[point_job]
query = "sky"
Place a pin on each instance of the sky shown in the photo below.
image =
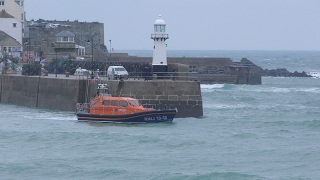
(194, 24)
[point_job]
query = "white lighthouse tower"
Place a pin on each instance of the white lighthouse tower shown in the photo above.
(159, 61)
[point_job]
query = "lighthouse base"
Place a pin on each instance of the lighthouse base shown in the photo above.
(160, 70)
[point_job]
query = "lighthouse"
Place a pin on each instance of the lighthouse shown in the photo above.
(159, 60)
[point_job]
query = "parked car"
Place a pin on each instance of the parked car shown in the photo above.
(117, 72)
(50, 25)
(82, 72)
(42, 24)
(65, 25)
(32, 24)
(79, 58)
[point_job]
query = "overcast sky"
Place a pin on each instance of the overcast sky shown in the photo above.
(195, 24)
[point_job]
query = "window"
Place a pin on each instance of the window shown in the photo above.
(106, 103)
(22, 16)
(15, 49)
(123, 103)
(9, 49)
(20, 3)
(120, 69)
(1, 3)
(163, 28)
(114, 103)
(14, 25)
(134, 103)
(65, 39)
(159, 28)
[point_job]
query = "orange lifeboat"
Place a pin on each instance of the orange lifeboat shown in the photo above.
(105, 108)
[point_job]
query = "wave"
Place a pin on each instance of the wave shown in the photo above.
(314, 124)
(285, 90)
(212, 86)
(214, 175)
(309, 124)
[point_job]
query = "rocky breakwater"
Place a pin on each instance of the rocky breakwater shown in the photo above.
(243, 72)
(282, 72)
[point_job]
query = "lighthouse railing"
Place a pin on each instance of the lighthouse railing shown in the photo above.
(160, 36)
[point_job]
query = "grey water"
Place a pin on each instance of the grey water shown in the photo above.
(267, 131)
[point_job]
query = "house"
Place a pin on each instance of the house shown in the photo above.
(11, 26)
(9, 47)
(64, 44)
(16, 9)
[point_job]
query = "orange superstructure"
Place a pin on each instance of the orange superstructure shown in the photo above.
(107, 105)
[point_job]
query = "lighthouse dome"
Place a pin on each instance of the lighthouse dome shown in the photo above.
(160, 21)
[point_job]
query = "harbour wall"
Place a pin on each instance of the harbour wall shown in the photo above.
(209, 70)
(62, 93)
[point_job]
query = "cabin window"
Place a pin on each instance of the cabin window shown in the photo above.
(94, 104)
(134, 102)
(14, 25)
(106, 103)
(114, 103)
(123, 103)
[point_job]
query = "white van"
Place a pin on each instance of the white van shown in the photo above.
(117, 72)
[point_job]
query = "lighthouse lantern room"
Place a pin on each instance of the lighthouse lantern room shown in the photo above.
(159, 60)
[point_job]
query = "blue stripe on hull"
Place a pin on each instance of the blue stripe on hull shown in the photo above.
(149, 117)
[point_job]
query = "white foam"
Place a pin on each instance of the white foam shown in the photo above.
(211, 86)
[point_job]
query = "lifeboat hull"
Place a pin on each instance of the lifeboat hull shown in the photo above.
(141, 117)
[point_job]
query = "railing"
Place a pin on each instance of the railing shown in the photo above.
(101, 75)
(159, 36)
(82, 107)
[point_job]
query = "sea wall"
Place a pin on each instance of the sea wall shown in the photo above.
(47, 93)
(63, 93)
(210, 70)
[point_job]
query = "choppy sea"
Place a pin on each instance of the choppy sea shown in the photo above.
(248, 132)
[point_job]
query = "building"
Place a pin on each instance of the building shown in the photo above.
(9, 46)
(64, 44)
(10, 35)
(16, 9)
(12, 18)
(11, 26)
(88, 39)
